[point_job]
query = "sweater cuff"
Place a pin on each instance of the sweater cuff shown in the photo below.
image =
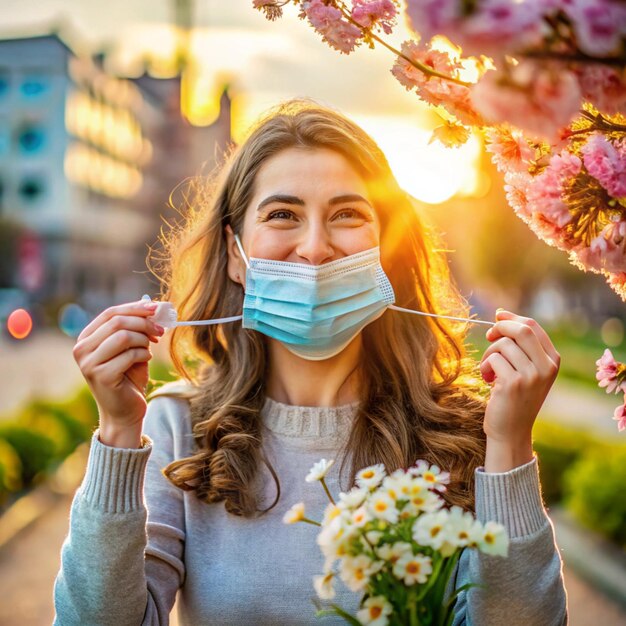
(114, 477)
(511, 498)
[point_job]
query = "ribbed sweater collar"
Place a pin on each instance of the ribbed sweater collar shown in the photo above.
(315, 422)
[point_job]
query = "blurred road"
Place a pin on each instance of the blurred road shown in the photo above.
(40, 365)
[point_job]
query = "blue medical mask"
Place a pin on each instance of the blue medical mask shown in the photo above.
(315, 310)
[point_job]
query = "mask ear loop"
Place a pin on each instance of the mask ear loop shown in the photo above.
(448, 317)
(243, 254)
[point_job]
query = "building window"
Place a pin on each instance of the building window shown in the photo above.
(5, 84)
(31, 138)
(34, 86)
(31, 189)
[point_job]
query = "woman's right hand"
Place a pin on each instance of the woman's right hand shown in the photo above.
(112, 353)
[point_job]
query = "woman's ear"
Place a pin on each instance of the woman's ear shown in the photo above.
(236, 266)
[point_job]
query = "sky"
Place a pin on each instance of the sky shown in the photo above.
(269, 62)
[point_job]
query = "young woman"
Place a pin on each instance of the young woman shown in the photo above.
(307, 232)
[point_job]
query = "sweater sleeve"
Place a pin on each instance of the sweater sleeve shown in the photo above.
(526, 588)
(122, 560)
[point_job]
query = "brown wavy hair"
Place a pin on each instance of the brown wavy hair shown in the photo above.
(422, 395)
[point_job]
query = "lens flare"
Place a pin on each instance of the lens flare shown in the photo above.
(20, 323)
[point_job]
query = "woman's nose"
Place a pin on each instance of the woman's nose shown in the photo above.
(315, 247)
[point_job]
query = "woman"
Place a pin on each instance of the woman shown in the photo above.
(292, 234)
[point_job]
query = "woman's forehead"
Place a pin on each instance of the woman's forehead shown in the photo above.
(316, 170)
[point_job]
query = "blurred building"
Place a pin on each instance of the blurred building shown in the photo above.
(87, 164)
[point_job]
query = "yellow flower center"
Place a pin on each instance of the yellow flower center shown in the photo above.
(375, 611)
(368, 474)
(434, 531)
(489, 538)
(413, 568)
(381, 506)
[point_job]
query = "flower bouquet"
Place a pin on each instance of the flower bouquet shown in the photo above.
(396, 543)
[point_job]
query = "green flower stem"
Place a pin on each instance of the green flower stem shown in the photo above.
(414, 621)
(310, 521)
(326, 490)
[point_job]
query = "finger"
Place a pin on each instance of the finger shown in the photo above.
(139, 308)
(112, 372)
(539, 331)
(509, 349)
(119, 342)
(527, 339)
(496, 366)
(116, 324)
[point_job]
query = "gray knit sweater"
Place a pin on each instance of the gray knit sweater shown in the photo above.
(135, 540)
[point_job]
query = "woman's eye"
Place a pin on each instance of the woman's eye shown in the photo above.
(280, 214)
(349, 214)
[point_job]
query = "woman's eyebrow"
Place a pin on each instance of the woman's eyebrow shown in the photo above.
(287, 199)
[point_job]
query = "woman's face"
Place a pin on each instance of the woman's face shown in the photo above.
(309, 206)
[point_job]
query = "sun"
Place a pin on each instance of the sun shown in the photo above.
(431, 172)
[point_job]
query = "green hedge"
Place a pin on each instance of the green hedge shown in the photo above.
(39, 437)
(594, 491)
(586, 475)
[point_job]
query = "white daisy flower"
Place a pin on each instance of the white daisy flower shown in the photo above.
(494, 539)
(323, 585)
(355, 571)
(423, 500)
(430, 529)
(392, 552)
(463, 529)
(330, 513)
(373, 536)
(370, 477)
(412, 568)
(353, 499)
(294, 514)
(361, 516)
(375, 611)
(434, 477)
(319, 470)
(398, 485)
(381, 506)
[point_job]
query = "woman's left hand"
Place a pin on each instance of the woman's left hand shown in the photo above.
(523, 364)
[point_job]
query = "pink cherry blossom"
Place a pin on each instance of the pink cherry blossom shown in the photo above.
(328, 21)
(606, 162)
(437, 91)
(545, 194)
(433, 17)
(531, 97)
(516, 188)
(598, 25)
(620, 417)
(498, 27)
(610, 373)
(608, 249)
(510, 149)
(602, 85)
(370, 13)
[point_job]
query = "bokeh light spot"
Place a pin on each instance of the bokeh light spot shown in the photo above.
(612, 332)
(72, 319)
(20, 323)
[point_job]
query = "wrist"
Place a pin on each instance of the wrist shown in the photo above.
(503, 456)
(116, 437)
